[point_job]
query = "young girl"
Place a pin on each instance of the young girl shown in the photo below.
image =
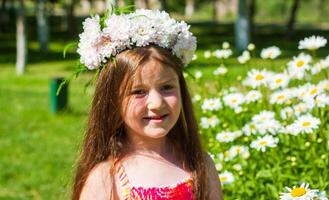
(142, 139)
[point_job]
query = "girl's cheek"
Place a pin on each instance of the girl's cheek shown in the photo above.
(137, 104)
(173, 98)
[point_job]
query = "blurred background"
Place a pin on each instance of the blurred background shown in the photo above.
(39, 143)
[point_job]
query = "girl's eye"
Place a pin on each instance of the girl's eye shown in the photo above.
(167, 87)
(138, 92)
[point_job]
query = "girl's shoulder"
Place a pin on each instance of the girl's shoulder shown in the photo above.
(98, 183)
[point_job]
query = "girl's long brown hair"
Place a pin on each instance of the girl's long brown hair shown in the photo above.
(105, 134)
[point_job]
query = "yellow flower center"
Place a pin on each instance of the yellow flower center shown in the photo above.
(263, 143)
(298, 192)
(223, 178)
(252, 126)
(281, 96)
(234, 100)
(278, 81)
(314, 91)
(300, 63)
(306, 124)
(259, 77)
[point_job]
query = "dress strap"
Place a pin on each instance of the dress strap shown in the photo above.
(123, 178)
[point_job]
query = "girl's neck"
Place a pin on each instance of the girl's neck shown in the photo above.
(160, 147)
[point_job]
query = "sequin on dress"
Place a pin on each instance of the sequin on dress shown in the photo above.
(182, 191)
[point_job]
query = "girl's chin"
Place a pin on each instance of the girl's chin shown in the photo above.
(156, 133)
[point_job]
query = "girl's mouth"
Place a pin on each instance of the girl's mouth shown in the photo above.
(156, 118)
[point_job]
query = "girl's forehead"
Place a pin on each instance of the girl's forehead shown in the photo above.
(154, 72)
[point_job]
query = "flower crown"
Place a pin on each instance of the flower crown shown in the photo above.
(103, 38)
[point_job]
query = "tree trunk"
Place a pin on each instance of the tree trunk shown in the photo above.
(164, 5)
(252, 12)
(242, 29)
(142, 3)
(154, 4)
(292, 18)
(21, 50)
(121, 3)
(217, 7)
(189, 8)
(42, 26)
(321, 9)
(71, 19)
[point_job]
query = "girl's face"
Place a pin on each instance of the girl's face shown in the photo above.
(154, 103)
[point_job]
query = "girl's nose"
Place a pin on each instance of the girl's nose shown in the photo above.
(155, 100)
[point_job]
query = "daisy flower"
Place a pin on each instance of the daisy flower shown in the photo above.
(312, 43)
(245, 57)
(302, 108)
(269, 126)
(226, 177)
(223, 53)
(312, 91)
(225, 136)
(209, 122)
(249, 128)
(237, 167)
(257, 78)
(263, 116)
(252, 96)
(211, 104)
(196, 98)
(322, 100)
(279, 81)
(298, 66)
(298, 193)
(198, 74)
(239, 150)
(226, 45)
(226, 156)
(307, 123)
(292, 129)
(207, 54)
(319, 66)
(286, 113)
(251, 47)
(220, 70)
(279, 97)
(324, 85)
(263, 142)
(270, 52)
(233, 100)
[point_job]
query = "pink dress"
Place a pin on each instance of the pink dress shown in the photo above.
(182, 191)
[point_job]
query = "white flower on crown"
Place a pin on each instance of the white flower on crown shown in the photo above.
(140, 28)
(90, 40)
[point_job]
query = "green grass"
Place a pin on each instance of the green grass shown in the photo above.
(38, 149)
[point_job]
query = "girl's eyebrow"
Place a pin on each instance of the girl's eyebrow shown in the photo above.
(162, 82)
